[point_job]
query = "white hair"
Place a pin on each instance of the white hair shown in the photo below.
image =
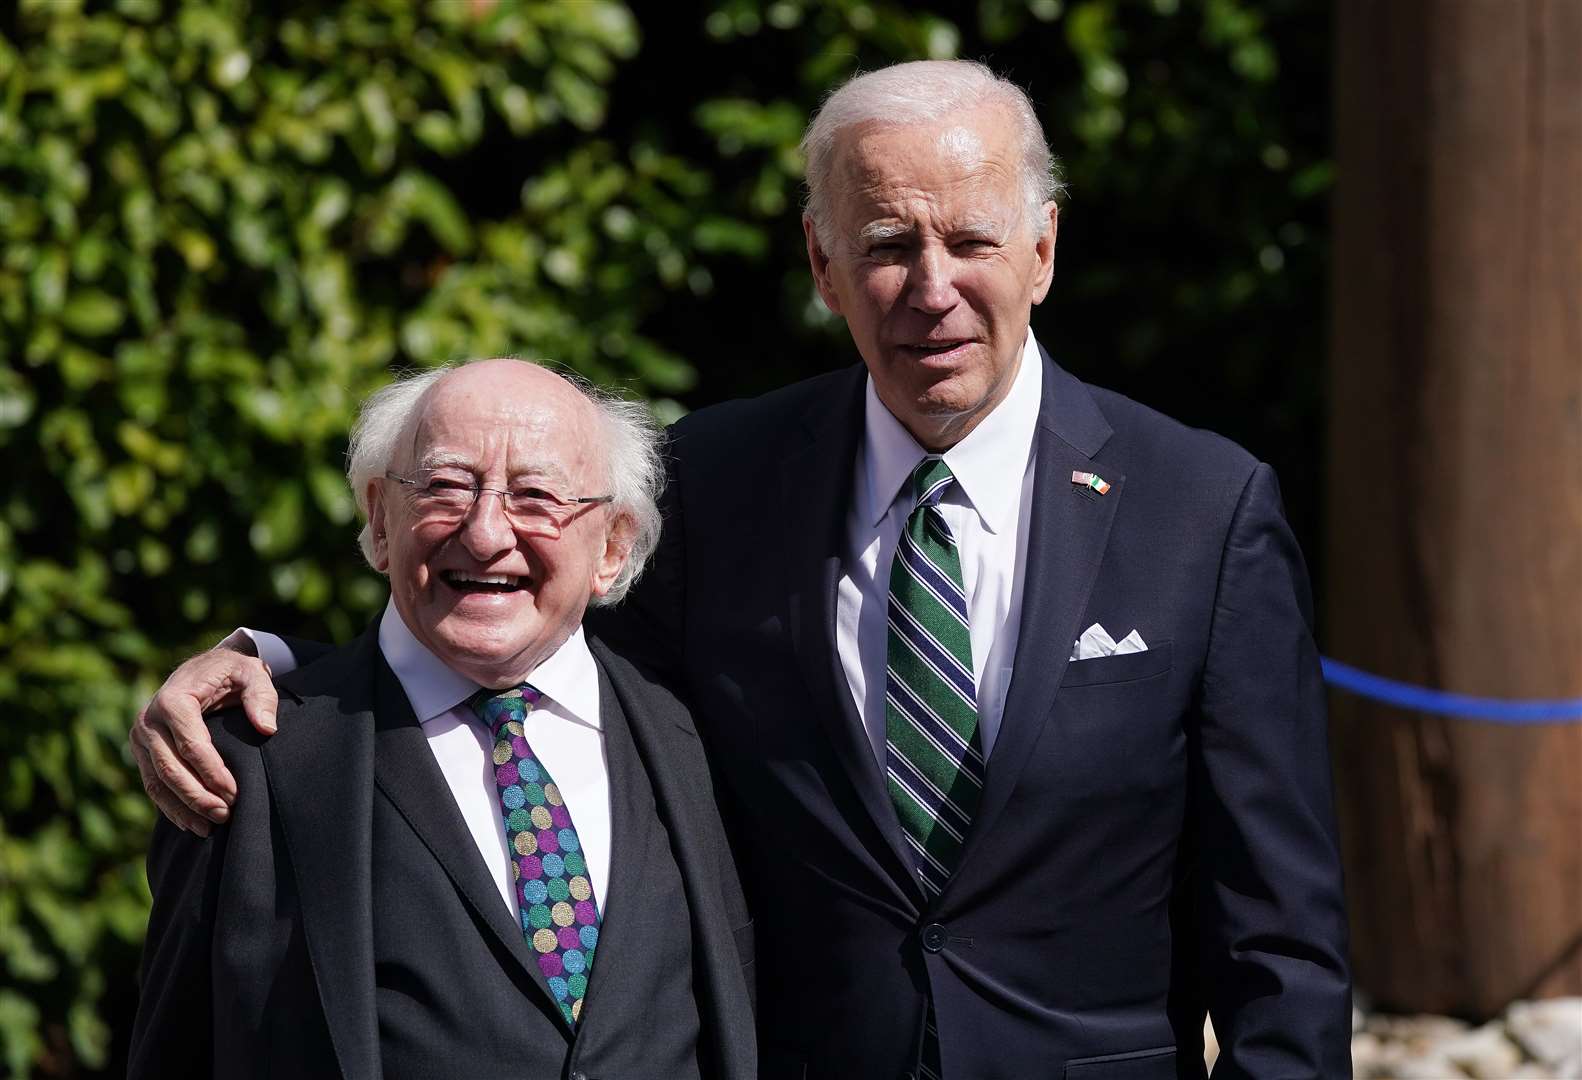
(634, 463)
(385, 415)
(921, 92)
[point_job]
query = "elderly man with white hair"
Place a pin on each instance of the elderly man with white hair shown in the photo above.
(1009, 680)
(479, 845)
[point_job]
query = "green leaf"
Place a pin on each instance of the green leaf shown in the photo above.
(130, 485)
(17, 401)
(19, 1028)
(90, 1035)
(331, 494)
(720, 234)
(277, 527)
(48, 281)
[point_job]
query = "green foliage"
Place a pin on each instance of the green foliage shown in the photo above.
(221, 227)
(222, 222)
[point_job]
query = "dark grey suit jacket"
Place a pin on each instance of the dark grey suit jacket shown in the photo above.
(261, 955)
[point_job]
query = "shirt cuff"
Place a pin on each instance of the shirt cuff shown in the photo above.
(269, 648)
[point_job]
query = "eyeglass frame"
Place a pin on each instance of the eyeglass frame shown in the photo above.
(562, 505)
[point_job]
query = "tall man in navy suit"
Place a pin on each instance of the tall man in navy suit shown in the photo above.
(1009, 680)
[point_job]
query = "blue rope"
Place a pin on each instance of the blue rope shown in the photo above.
(1406, 696)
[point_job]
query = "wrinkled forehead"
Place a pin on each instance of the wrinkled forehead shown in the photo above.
(962, 146)
(512, 427)
(969, 152)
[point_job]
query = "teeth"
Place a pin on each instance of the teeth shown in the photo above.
(483, 579)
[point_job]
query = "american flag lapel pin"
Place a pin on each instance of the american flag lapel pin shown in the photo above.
(1090, 480)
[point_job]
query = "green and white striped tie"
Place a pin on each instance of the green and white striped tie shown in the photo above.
(934, 756)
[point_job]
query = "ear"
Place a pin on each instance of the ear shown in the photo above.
(378, 524)
(818, 262)
(1045, 253)
(617, 549)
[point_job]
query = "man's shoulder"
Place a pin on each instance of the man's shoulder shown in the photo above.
(338, 684)
(342, 670)
(332, 675)
(764, 418)
(1146, 441)
(637, 683)
(235, 738)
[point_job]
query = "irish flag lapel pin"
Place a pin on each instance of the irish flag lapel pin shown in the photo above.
(1091, 480)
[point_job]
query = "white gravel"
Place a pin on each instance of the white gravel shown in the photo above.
(1541, 1040)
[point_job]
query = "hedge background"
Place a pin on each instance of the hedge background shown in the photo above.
(222, 225)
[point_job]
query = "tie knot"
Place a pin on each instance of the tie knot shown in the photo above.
(496, 707)
(929, 481)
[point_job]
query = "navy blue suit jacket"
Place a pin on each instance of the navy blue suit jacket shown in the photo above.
(1156, 832)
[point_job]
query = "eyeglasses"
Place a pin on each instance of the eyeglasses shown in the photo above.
(532, 509)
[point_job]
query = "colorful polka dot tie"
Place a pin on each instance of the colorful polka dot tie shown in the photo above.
(554, 896)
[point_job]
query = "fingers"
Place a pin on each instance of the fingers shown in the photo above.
(181, 770)
(154, 779)
(259, 700)
(178, 742)
(193, 768)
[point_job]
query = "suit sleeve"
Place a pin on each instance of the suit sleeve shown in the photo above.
(1271, 913)
(172, 1036)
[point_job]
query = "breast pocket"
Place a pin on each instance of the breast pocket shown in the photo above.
(1118, 731)
(1126, 667)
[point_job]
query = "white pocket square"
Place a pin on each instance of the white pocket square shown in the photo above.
(1096, 642)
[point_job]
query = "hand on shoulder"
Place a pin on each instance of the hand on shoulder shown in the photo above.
(181, 770)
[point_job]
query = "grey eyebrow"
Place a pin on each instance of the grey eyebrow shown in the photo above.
(988, 230)
(441, 459)
(882, 230)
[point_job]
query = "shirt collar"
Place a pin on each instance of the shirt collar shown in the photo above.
(568, 676)
(980, 462)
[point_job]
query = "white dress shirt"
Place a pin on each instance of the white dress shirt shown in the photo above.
(564, 731)
(987, 511)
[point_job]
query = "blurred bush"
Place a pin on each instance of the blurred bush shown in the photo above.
(223, 222)
(222, 226)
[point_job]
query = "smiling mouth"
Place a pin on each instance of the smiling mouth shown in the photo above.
(931, 348)
(465, 582)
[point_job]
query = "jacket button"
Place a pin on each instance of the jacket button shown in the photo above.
(578, 1076)
(934, 937)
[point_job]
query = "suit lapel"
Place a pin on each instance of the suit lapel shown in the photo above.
(630, 822)
(815, 497)
(320, 770)
(680, 796)
(407, 774)
(1065, 546)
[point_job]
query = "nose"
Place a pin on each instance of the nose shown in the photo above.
(486, 531)
(932, 282)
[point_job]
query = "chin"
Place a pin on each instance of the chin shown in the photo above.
(477, 651)
(946, 401)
